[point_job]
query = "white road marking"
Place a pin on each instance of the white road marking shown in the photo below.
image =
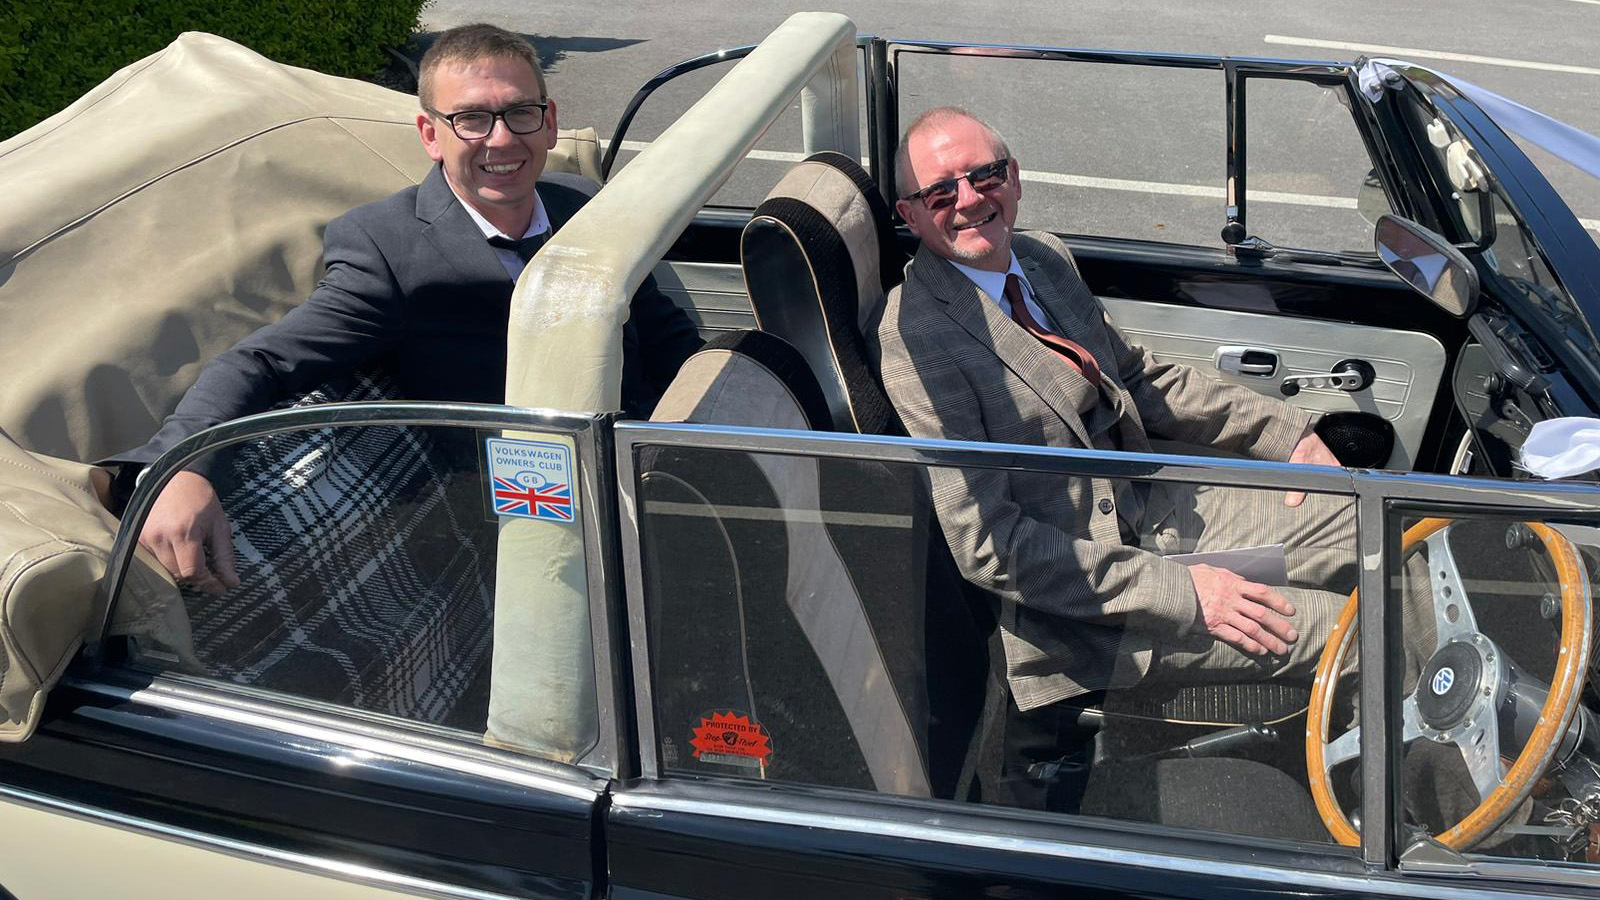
(1124, 184)
(1590, 2)
(1417, 53)
(1185, 190)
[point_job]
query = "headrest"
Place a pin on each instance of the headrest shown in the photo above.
(818, 255)
(745, 378)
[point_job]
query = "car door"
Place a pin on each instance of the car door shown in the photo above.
(321, 728)
(771, 764)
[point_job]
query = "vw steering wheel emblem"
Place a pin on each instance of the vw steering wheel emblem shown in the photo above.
(1442, 680)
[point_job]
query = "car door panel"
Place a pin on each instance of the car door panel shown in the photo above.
(286, 791)
(1408, 364)
(141, 861)
(805, 844)
(712, 293)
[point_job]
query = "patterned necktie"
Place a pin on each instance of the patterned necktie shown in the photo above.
(525, 248)
(1073, 352)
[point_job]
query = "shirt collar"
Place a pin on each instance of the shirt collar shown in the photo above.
(994, 283)
(539, 224)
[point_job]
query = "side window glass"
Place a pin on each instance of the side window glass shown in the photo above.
(808, 623)
(1498, 714)
(1099, 156)
(382, 572)
(1310, 182)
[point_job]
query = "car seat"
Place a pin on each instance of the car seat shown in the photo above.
(784, 594)
(819, 255)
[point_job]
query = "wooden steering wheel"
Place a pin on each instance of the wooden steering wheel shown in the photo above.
(1461, 687)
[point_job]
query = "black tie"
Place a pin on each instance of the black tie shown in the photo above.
(525, 248)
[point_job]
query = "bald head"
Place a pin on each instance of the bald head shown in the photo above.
(970, 218)
(930, 121)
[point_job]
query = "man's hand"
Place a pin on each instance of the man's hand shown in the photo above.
(1310, 451)
(1242, 613)
(185, 523)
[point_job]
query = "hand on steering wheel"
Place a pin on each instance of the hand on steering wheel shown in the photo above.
(1461, 688)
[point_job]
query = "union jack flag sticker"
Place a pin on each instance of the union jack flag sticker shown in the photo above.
(530, 479)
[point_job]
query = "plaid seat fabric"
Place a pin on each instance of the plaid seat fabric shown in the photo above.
(365, 570)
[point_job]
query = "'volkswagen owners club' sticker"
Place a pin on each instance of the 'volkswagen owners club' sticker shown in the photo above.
(1442, 680)
(530, 479)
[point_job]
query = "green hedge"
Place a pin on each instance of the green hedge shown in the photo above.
(53, 51)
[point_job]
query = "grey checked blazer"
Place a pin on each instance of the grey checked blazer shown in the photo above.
(1079, 607)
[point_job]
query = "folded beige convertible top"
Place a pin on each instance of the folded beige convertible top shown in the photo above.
(169, 212)
(163, 216)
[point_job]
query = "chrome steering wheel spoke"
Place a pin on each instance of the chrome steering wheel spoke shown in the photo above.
(1479, 744)
(1452, 610)
(1411, 726)
(1345, 747)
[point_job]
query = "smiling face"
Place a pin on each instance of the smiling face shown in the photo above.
(976, 231)
(496, 174)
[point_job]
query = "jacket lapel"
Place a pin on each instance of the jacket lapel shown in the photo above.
(1071, 316)
(1056, 383)
(453, 233)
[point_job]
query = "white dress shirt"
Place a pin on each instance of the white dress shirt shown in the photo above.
(994, 284)
(508, 258)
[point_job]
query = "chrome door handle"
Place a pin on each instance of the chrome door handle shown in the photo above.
(1246, 361)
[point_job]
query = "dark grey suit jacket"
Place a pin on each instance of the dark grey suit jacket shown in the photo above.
(412, 289)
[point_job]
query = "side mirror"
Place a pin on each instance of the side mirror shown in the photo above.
(1430, 264)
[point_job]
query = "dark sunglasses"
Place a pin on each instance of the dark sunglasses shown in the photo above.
(985, 178)
(476, 124)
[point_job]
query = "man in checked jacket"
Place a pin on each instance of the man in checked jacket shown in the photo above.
(993, 336)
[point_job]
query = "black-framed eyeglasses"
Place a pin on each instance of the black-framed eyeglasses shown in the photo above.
(476, 124)
(985, 178)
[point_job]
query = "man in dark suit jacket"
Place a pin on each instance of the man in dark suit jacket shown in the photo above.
(1088, 599)
(418, 285)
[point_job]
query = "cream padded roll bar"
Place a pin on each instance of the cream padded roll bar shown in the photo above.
(565, 349)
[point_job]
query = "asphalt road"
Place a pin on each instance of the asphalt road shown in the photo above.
(1106, 149)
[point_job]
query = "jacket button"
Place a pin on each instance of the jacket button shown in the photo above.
(1106, 506)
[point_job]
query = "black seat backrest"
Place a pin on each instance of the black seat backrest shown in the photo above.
(819, 255)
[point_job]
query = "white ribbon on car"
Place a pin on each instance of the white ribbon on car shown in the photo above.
(1562, 448)
(1559, 139)
(1373, 76)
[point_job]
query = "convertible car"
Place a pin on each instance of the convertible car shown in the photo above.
(534, 650)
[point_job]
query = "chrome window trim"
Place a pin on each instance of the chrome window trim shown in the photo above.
(929, 830)
(503, 766)
(1377, 629)
(1254, 64)
(624, 440)
(1019, 457)
(591, 443)
(300, 862)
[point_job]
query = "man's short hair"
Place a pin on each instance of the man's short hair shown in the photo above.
(466, 43)
(904, 179)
